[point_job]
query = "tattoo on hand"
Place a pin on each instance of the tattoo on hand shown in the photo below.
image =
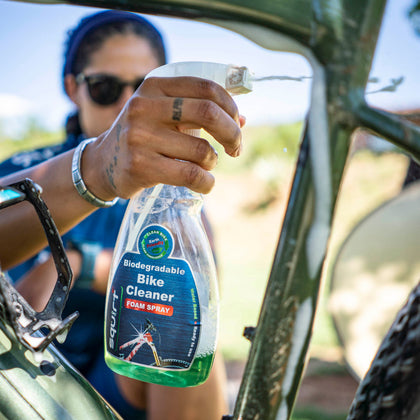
(110, 175)
(118, 129)
(117, 146)
(177, 109)
(112, 165)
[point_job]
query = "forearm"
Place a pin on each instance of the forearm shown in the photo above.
(20, 224)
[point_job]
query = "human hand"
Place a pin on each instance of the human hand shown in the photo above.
(146, 146)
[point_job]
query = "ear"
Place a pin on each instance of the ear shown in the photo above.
(71, 87)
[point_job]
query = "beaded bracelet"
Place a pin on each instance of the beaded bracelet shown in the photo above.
(78, 180)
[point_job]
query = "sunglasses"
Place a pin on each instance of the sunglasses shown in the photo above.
(105, 89)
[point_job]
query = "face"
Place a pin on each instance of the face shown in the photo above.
(128, 57)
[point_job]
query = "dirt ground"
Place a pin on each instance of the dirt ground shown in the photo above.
(325, 386)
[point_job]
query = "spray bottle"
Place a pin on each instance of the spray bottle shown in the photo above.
(162, 306)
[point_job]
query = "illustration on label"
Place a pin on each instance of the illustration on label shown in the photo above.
(153, 310)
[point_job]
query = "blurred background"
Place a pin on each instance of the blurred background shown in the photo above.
(248, 202)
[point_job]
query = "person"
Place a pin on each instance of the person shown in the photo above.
(138, 144)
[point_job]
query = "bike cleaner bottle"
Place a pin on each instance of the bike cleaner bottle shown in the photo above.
(162, 308)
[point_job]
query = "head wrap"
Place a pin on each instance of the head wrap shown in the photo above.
(90, 23)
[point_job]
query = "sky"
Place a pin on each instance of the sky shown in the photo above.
(31, 44)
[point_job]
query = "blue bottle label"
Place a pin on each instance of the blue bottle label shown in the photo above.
(153, 315)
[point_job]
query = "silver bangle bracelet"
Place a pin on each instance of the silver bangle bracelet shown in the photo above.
(78, 180)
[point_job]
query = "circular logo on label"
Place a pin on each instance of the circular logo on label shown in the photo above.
(156, 242)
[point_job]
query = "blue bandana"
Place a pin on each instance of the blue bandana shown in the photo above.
(92, 22)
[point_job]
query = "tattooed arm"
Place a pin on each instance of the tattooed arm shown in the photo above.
(144, 147)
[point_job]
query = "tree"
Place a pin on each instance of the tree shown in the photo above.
(414, 15)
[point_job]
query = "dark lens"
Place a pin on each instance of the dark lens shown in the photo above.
(104, 90)
(137, 83)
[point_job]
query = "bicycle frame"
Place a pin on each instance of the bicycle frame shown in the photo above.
(338, 39)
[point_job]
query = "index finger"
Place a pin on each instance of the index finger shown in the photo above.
(193, 87)
(211, 98)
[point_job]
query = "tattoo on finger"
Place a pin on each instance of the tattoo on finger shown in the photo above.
(177, 109)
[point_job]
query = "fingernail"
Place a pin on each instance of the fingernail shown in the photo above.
(238, 151)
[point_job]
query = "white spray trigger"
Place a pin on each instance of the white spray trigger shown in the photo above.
(235, 79)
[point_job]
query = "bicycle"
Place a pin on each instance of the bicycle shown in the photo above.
(339, 40)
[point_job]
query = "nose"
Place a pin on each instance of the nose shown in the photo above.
(126, 94)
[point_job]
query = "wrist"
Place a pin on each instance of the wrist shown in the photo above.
(97, 168)
(85, 175)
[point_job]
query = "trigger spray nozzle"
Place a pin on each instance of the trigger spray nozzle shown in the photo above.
(238, 80)
(235, 79)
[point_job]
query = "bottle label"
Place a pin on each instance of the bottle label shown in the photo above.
(153, 315)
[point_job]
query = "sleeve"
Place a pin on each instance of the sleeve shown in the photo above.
(28, 159)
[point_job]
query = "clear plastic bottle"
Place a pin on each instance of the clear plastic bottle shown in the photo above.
(162, 306)
(161, 318)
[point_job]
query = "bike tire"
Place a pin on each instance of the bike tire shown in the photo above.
(391, 388)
